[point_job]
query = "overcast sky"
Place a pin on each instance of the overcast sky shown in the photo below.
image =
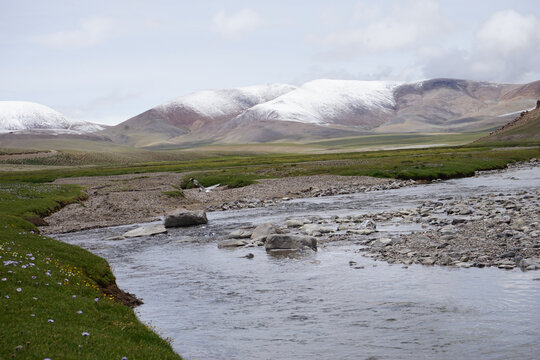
(106, 61)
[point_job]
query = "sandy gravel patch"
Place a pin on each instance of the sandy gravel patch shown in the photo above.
(135, 198)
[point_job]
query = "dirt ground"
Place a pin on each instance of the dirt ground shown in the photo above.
(135, 198)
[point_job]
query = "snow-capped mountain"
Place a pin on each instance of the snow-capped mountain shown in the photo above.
(201, 115)
(324, 109)
(327, 102)
(24, 116)
(226, 102)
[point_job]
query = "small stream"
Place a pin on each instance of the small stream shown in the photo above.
(217, 304)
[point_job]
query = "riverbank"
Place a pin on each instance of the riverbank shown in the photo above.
(59, 301)
(130, 199)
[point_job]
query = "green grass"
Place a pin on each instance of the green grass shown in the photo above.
(236, 170)
(174, 193)
(400, 140)
(43, 279)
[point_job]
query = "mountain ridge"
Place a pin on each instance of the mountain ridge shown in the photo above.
(326, 108)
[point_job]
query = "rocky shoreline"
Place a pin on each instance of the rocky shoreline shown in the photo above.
(489, 230)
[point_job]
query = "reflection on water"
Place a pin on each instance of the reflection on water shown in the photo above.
(218, 304)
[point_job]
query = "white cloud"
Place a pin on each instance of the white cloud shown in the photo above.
(408, 26)
(506, 47)
(92, 31)
(234, 25)
(507, 32)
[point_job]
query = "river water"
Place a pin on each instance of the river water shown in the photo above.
(217, 304)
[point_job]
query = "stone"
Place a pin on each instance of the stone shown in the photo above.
(295, 222)
(382, 242)
(368, 224)
(315, 229)
(183, 218)
(447, 230)
(530, 264)
(240, 234)
(362, 231)
(232, 244)
(290, 242)
(147, 230)
(261, 232)
(427, 261)
(118, 237)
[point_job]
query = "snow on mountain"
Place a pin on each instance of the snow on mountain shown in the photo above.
(29, 116)
(225, 102)
(326, 101)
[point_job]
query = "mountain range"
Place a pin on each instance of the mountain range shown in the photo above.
(318, 109)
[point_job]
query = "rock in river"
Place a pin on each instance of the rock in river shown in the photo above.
(262, 231)
(290, 242)
(232, 243)
(240, 234)
(183, 217)
(146, 231)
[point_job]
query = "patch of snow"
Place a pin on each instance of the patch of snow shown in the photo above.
(17, 116)
(516, 112)
(324, 101)
(227, 102)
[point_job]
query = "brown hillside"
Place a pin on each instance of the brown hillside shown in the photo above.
(525, 127)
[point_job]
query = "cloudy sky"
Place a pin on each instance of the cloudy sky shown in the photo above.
(105, 61)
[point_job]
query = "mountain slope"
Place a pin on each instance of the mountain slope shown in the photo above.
(325, 102)
(24, 116)
(199, 114)
(526, 127)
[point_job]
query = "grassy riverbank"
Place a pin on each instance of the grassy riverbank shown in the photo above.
(59, 301)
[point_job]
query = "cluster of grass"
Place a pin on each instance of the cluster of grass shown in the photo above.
(51, 293)
(177, 193)
(7, 151)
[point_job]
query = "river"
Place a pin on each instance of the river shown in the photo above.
(217, 304)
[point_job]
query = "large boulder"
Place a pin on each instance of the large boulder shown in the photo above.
(146, 231)
(290, 242)
(183, 217)
(261, 232)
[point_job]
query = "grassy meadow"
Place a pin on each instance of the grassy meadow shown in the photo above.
(54, 297)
